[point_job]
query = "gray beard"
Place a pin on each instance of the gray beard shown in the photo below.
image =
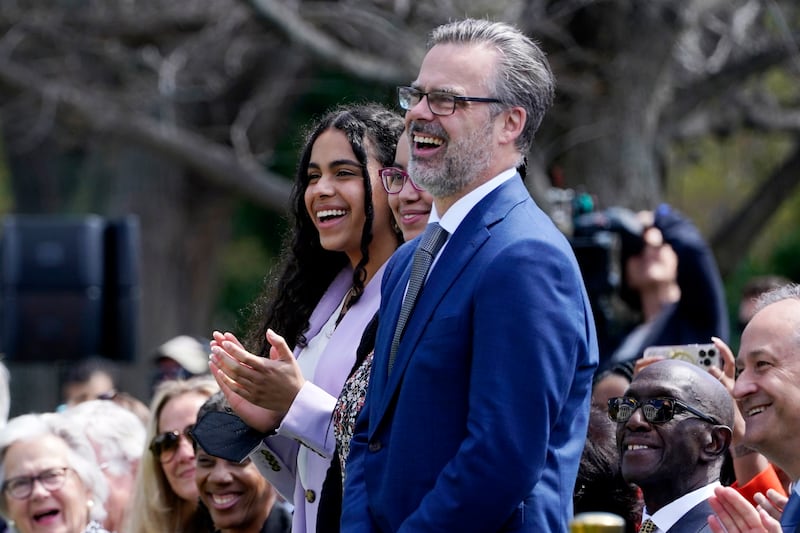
(461, 165)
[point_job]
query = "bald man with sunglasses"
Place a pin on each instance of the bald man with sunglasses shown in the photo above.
(673, 428)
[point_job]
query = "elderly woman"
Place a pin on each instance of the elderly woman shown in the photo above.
(118, 438)
(51, 480)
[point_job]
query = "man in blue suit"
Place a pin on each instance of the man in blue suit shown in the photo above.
(768, 392)
(475, 420)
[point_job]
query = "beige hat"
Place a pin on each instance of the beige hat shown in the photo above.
(189, 352)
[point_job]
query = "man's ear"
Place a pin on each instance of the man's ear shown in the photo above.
(513, 122)
(719, 441)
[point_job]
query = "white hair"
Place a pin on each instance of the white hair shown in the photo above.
(117, 434)
(80, 455)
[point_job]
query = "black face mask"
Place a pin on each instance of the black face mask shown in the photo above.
(226, 436)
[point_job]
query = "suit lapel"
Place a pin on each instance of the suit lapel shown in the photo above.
(327, 304)
(695, 520)
(461, 248)
(791, 513)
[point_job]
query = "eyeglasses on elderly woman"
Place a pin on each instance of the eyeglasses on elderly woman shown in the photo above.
(21, 487)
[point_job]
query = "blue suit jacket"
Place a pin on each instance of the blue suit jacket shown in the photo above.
(791, 514)
(481, 424)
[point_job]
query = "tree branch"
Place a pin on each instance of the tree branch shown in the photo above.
(210, 160)
(738, 231)
(695, 94)
(360, 65)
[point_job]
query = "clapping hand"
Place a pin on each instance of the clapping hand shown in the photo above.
(734, 514)
(260, 390)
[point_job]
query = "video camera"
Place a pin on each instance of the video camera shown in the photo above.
(601, 240)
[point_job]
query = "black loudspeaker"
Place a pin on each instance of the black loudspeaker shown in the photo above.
(122, 294)
(69, 287)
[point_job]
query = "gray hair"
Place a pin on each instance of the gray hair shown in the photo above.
(790, 291)
(118, 435)
(80, 454)
(523, 77)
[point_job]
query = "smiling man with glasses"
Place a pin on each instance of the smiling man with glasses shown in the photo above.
(673, 429)
(439, 102)
(477, 407)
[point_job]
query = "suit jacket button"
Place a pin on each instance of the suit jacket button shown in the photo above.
(375, 446)
(310, 496)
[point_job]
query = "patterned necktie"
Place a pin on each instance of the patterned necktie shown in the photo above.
(431, 242)
(648, 526)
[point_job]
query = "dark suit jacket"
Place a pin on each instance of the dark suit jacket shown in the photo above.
(695, 521)
(481, 424)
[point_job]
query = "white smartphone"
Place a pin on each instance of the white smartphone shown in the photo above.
(702, 355)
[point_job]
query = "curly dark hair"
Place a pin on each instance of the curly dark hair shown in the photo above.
(599, 486)
(306, 269)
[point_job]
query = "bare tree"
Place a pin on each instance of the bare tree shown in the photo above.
(173, 110)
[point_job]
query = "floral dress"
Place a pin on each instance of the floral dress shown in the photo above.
(348, 406)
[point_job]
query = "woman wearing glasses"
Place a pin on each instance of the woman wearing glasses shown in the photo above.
(50, 478)
(411, 206)
(327, 292)
(410, 203)
(166, 497)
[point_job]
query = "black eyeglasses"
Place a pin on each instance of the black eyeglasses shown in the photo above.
(21, 487)
(164, 445)
(440, 103)
(655, 410)
(394, 179)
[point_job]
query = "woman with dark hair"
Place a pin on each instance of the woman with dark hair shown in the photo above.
(599, 486)
(326, 293)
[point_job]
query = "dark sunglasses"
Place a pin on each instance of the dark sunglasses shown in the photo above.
(164, 445)
(655, 410)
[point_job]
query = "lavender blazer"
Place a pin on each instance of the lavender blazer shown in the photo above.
(308, 422)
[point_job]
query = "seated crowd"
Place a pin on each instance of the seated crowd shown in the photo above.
(681, 448)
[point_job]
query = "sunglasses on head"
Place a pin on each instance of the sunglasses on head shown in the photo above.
(655, 410)
(164, 445)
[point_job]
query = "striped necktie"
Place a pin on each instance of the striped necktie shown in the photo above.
(430, 243)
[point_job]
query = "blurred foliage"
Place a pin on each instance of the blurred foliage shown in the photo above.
(711, 178)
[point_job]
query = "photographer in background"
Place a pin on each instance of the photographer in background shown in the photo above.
(669, 280)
